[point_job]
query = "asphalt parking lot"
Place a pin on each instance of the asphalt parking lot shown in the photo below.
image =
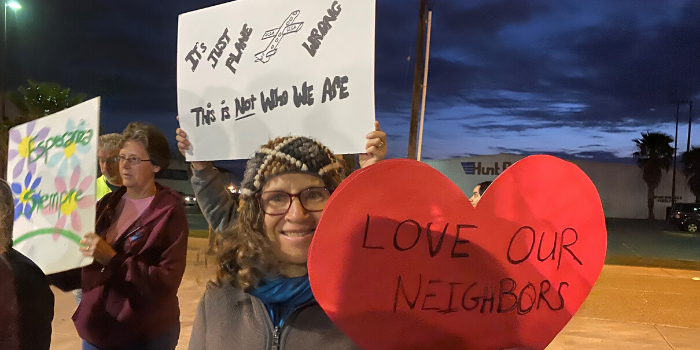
(651, 243)
(195, 218)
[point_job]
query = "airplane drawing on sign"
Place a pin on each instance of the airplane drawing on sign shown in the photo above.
(276, 34)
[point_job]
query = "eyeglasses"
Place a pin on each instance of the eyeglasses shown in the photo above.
(132, 160)
(312, 199)
(108, 160)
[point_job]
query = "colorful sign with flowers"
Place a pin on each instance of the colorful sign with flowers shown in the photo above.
(52, 166)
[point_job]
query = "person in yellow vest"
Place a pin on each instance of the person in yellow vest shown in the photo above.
(108, 157)
(108, 147)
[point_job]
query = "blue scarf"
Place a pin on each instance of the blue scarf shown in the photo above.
(282, 295)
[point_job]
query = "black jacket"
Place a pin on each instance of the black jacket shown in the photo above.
(35, 300)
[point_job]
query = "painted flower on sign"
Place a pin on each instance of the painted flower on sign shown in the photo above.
(26, 196)
(22, 146)
(67, 199)
(68, 157)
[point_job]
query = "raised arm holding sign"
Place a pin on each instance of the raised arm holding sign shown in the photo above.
(293, 68)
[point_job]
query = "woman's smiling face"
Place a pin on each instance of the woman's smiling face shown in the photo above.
(291, 233)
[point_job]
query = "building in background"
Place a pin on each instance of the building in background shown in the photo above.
(620, 186)
(177, 178)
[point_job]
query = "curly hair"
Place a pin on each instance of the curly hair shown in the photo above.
(245, 254)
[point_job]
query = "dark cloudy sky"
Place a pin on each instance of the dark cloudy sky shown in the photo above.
(566, 77)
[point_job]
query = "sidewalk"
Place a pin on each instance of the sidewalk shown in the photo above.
(637, 308)
(629, 308)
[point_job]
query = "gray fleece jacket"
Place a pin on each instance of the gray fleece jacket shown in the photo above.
(228, 318)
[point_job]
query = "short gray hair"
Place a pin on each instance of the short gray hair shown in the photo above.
(110, 142)
(153, 141)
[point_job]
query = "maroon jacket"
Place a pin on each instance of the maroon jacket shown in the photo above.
(134, 298)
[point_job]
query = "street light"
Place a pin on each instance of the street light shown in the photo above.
(15, 6)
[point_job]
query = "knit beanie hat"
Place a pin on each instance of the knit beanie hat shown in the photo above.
(291, 154)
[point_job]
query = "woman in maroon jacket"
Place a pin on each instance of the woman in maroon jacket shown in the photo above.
(139, 246)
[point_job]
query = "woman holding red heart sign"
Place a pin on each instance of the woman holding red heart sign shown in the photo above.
(262, 297)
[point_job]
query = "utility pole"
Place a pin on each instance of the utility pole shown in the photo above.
(14, 6)
(417, 80)
(3, 63)
(425, 85)
(690, 122)
(675, 150)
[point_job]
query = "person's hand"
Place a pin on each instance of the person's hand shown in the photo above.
(183, 144)
(375, 147)
(97, 248)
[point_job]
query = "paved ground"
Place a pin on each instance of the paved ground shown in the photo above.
(629, 308)
(195, 218)
(651, 244)
(199, 271)
(651, 239)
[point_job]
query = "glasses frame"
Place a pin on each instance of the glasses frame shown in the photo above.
(291, 199)
(132, 160)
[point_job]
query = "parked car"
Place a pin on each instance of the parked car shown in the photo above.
(188, 199)
(686, 216)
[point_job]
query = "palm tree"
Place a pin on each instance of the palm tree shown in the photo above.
(691, 169)
(34, 101)
(654, 153)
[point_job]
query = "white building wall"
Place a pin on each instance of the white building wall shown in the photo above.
(622, 191)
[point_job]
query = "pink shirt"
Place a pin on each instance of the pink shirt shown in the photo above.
(128, 211)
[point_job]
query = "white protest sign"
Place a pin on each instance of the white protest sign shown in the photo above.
(52, 165)
(252, 70)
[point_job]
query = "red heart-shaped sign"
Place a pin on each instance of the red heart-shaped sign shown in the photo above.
(401, 259)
